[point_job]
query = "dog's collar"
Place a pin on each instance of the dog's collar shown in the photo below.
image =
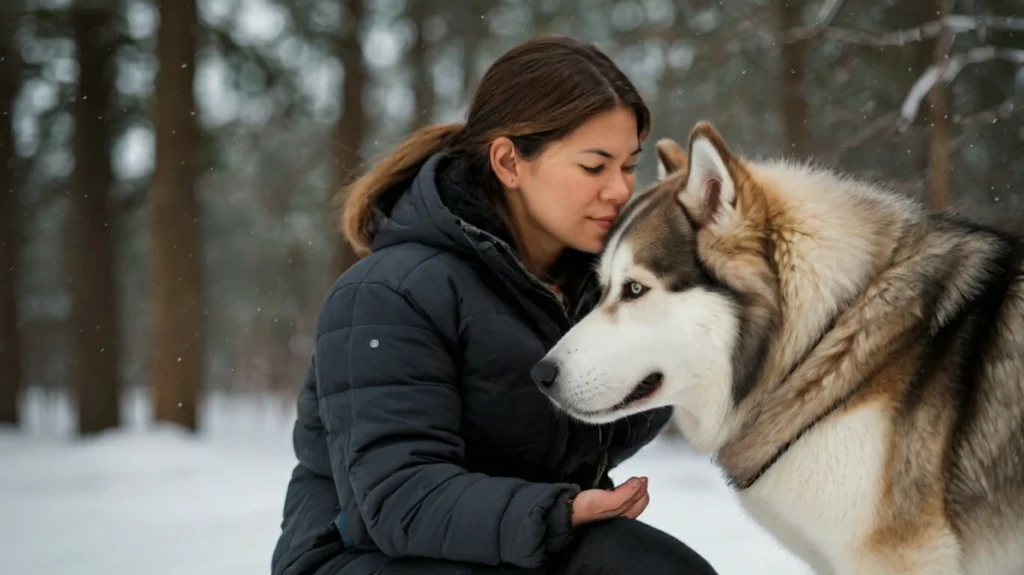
(741, 484)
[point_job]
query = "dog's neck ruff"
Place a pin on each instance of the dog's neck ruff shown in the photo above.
(756, 446)
(743, 483)
(845, 359)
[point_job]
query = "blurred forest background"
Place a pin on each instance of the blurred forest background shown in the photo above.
(166, 167)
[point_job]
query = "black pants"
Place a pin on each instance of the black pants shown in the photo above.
(612, 547)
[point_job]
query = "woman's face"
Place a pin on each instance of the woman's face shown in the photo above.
(572, 192)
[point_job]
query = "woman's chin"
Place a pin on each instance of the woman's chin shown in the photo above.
(589, 247)
(591, 243)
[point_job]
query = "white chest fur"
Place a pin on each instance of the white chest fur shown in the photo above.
(990, 554)
(820, 498)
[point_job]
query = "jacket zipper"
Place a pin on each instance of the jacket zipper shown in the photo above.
(602, 458)
(507, 252)
(564, 314)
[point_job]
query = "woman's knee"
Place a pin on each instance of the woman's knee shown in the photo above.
(623, 545)
(378, 564)
(434, 567)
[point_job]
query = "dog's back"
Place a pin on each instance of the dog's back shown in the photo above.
(972, 381)
(957, 418)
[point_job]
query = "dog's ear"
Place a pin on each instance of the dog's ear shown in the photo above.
(671, 157)
(710, 193)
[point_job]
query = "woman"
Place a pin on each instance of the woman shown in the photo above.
(423, 445)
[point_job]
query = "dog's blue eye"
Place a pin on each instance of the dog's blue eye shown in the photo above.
(633, 289)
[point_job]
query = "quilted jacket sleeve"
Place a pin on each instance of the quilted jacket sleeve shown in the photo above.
(389, 400)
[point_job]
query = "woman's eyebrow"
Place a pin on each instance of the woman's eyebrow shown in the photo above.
(601, 152)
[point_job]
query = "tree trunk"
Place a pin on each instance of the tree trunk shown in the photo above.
(176, 371)
(352, 125)
(794, 106)
(938, 122)
(94, 346)
(11, 217)
(473, 34)
(420, 63)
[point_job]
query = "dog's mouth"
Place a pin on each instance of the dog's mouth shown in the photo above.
(647, 387)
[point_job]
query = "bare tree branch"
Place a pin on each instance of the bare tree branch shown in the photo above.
(827, 12)
(1000, 111)
(946, 71)
(886, 124)
(956, 23)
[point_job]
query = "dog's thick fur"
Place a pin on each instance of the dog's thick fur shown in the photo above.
(854, 362)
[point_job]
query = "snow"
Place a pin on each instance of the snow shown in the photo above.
(152, 499)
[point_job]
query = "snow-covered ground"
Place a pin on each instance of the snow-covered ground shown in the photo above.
(158, 501)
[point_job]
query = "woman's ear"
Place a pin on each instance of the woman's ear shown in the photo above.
(503, 161)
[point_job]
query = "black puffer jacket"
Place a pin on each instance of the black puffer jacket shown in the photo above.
(419, 431)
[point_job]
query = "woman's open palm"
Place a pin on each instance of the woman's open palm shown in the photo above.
(627, 500)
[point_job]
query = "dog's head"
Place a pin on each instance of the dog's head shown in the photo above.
(689, 299)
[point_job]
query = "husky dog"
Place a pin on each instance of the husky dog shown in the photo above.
(853, 361)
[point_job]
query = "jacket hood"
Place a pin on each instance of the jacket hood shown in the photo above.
(441, 209)
(419, 212)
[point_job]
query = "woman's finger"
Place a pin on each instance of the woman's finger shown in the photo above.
(637, 495)
(609, 503)
(638, 507)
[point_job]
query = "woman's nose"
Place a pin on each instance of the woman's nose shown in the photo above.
(618, 190)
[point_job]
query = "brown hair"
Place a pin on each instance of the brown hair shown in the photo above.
(534, 94)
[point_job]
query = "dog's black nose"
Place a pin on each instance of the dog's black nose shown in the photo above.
(544, 373)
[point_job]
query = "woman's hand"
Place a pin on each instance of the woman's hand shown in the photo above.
(627, 500)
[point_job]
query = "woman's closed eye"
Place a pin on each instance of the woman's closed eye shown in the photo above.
(595, 170)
